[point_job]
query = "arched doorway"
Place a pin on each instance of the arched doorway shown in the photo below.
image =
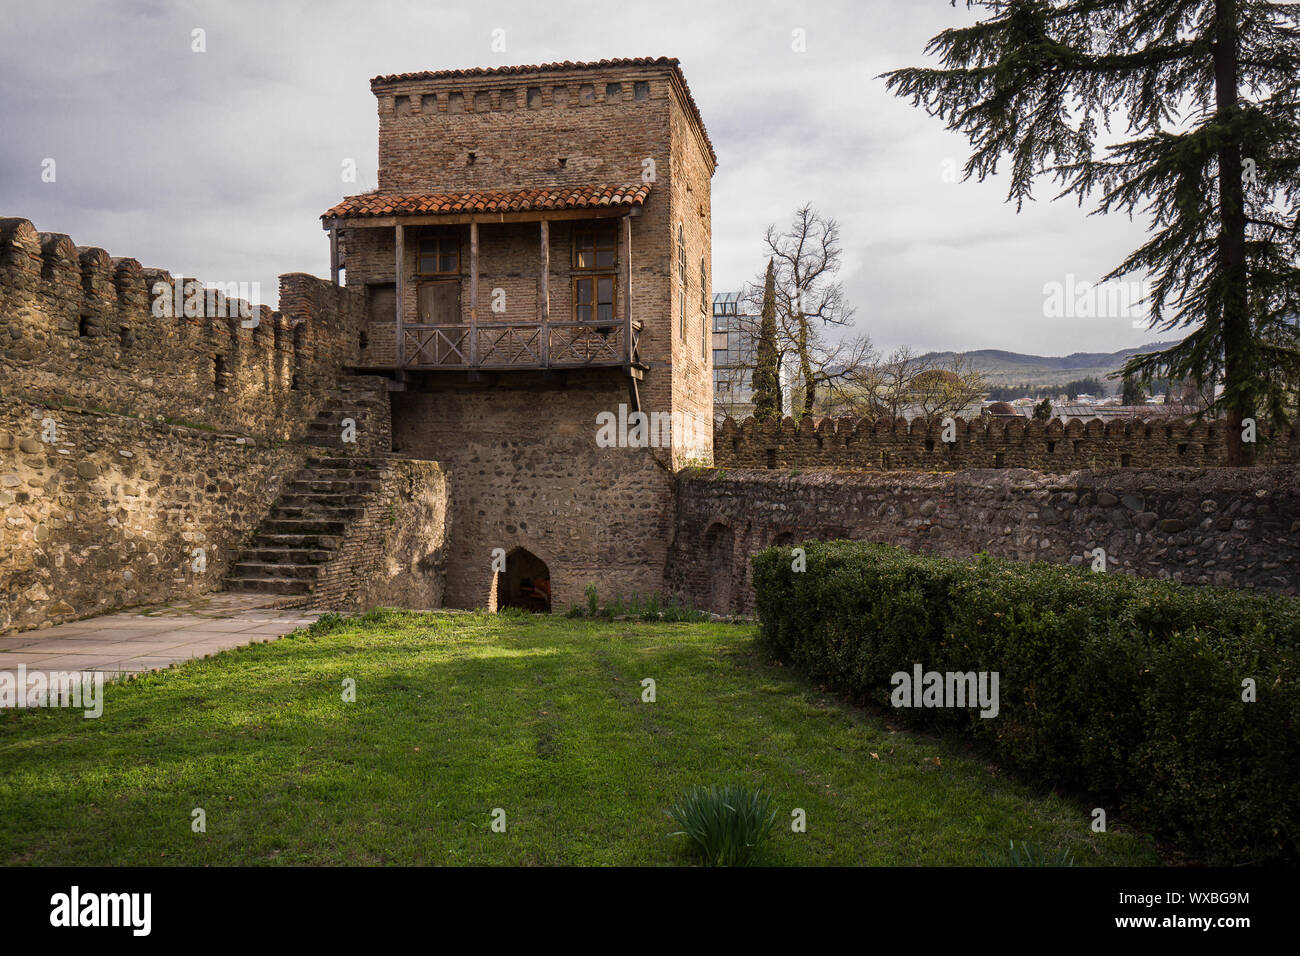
(719, 548)
(525, 583)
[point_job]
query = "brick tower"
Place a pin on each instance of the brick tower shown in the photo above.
(536, 261)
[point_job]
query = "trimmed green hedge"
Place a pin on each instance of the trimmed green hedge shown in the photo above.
(1129, 688)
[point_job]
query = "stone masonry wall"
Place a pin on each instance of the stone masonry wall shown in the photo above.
(524, 470)
(134, 433)
(80, 328)
(395, 554)
(1237, 527)
(112, 512)
(896, 445)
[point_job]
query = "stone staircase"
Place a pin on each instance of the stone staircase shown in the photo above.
(364, 400)
(307, 525)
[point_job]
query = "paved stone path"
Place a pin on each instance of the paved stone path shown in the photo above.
(152, 638)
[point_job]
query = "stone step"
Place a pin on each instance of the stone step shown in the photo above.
(302, 555)
(269, 585)
(261, 570)
(344, 463)
(303, 526)
(332, 426)
(331, 486)
(328, 499)
(278, 541)
(314, 512)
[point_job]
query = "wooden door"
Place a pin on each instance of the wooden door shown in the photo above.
(440, 302)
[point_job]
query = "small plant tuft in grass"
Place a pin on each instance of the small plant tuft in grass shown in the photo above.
(1029, 854)
(325, 624)
(727, 825)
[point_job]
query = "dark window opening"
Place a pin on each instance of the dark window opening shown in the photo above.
(999, 460)
(83, 326)
(771, 458)
(929, 444)
(219, 373)
(472, 157)
(563, 161)
(641, 90)
(612, 90)
(124, 337)
(1125, 461)
(363, 340)
(534, 98)
(1182, 449)
(1051, 447)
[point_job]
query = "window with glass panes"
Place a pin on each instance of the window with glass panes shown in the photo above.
(681, 275)
(439, 254)
(595, 254)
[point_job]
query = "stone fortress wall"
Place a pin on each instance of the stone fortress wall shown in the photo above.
(1053, 447)
(1225, 526)
(138, 449)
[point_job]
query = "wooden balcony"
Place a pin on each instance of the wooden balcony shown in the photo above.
(522, 346)
(533, 343)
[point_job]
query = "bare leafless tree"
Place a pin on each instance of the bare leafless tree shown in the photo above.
(806, 258)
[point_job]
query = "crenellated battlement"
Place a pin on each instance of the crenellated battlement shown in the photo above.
(886, 444)
(81, 327)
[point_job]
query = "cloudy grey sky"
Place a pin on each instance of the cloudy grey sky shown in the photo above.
(218, 164)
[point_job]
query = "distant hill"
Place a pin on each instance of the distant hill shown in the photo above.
(1016, 368)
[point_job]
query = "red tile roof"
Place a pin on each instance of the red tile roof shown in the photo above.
(662, 61)
(489, 200)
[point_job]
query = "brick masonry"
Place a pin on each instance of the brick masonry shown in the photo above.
(1234, 527)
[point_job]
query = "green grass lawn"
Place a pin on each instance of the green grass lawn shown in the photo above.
(458, 714)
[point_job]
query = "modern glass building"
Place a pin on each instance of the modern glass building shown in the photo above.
(735, 336)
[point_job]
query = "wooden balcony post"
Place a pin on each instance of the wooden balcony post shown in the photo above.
(473, 294)
(399, 263)
(544, 294)
(334, 254)
(627, 290)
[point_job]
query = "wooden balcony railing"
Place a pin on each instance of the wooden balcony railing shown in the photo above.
(500, 346)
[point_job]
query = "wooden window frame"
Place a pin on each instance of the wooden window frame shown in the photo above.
(597, 230)
(681, 277)
(439, 237)
(595, 277)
